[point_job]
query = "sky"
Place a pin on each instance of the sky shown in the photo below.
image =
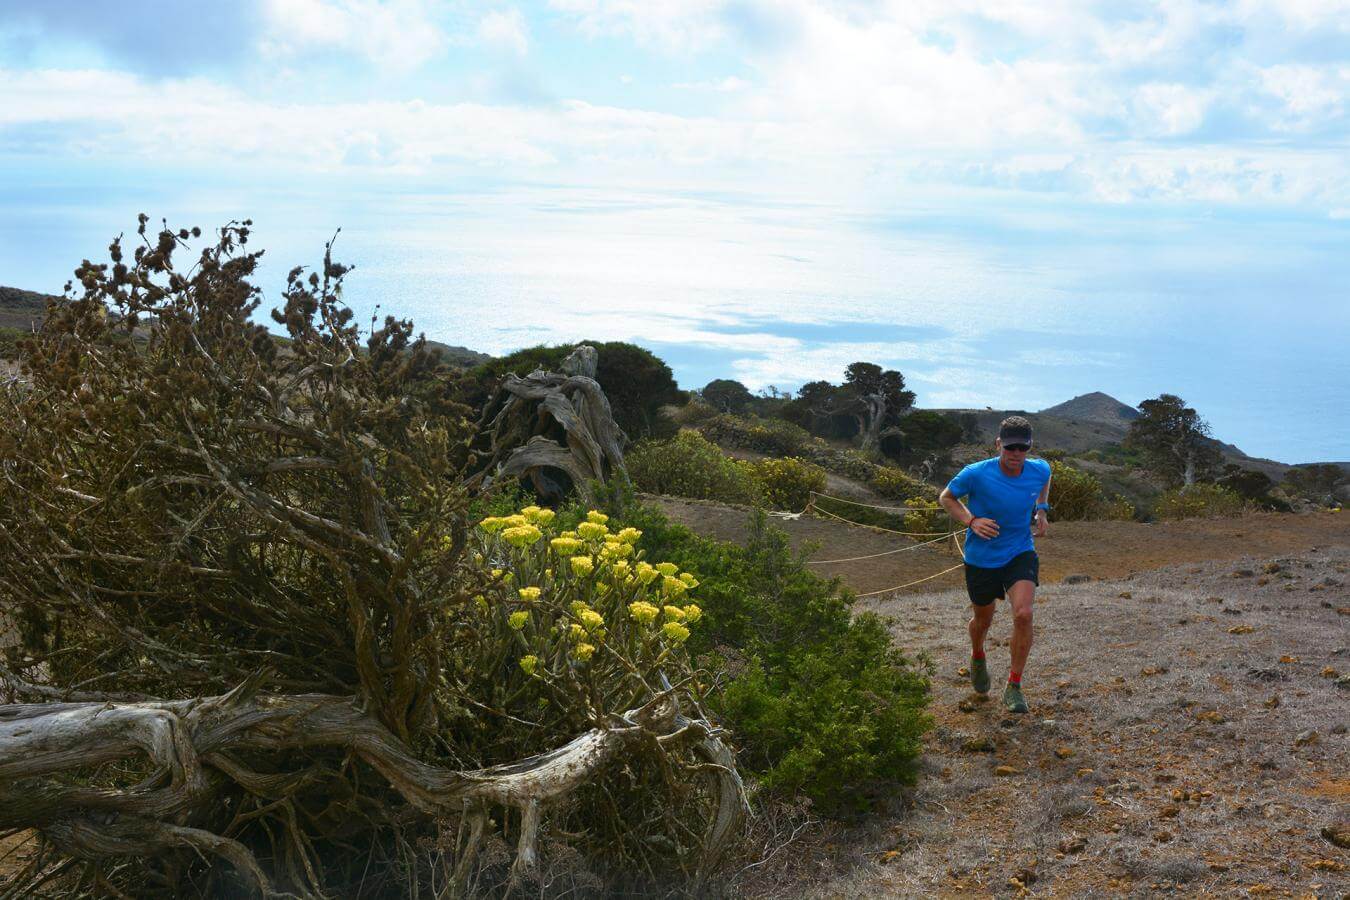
(1014, 202)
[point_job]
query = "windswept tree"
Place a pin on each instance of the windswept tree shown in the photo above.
(875, 399)
(1174, 440)
(869, 404)
(726, 395)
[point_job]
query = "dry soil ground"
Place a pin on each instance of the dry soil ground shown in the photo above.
(1188, 726)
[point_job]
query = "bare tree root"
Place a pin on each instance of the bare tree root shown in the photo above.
(190, 742)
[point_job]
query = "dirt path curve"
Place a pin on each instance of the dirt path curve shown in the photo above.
(1188, 733)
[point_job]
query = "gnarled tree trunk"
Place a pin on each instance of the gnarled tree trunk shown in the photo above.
(194, 749)
(551, 424)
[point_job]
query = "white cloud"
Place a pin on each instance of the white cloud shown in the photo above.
(672, 25)
(505, 28)
(1183, 101)
(398, 35)
(729, 85)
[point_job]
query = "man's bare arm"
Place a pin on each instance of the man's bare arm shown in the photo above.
(1042, 521)
(985, 528)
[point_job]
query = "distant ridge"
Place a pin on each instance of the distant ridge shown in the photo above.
(1093, 407)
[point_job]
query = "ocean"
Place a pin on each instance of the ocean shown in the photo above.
(978, 299)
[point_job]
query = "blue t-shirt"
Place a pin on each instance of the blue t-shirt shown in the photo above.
(1011, 502)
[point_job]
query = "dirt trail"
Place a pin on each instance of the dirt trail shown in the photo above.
(1187, 736)
(1190, 702)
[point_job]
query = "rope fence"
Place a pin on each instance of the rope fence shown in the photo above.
(934, 538)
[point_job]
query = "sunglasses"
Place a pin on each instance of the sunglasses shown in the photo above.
(1017, 448)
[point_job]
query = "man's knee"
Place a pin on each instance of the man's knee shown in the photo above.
(1022, 617)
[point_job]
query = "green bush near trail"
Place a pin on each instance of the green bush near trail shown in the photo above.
(786, 483)
(689, 465)
(772, 437)
(9, 342)
(818, 699)
(895, 484)
(1200, 500)
(1076, 495)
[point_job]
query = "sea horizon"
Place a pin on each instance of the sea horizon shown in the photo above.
(1013, 307)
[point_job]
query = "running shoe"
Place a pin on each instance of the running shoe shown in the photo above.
(1013, 699)
(979, 675)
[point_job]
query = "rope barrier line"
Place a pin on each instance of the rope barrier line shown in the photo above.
(902, 509)
(883, 553)
(912, 583)
(826, 512)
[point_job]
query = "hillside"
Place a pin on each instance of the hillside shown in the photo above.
(1093, 407)
(1093, 422)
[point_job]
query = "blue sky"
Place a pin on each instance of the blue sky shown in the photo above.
(1014, 202)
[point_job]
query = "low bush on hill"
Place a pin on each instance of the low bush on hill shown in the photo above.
(925, 517)
(818, 699)
(9, 342)
(1076, 495)
(895, 484)
(1198, 501)
(689, 465)
(772, 437)
(786, 483)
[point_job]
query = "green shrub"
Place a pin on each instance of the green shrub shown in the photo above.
(1200, 500)
(895, 484)
(818, 699)
(924, 517)
(773, 437)
(1076, 495)
(689, 465)
(9, 342)
(786, 483)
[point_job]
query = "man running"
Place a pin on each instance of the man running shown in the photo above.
(1008, 501)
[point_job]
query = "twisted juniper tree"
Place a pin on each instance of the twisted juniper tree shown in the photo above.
(256, 643)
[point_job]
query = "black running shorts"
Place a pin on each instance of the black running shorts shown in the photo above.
(987, 585)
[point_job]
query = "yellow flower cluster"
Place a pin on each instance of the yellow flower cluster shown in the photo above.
(565, 546)
(590, 549)
(522, 535)
(643, 613)
(675, 632)
(592, 531)
(537, 515)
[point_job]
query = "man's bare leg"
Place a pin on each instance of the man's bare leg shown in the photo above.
(980, 620)
(1021, 595)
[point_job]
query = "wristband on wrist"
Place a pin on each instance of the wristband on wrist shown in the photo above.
(1042, 506)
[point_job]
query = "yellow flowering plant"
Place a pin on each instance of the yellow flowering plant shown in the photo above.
(581, 613)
